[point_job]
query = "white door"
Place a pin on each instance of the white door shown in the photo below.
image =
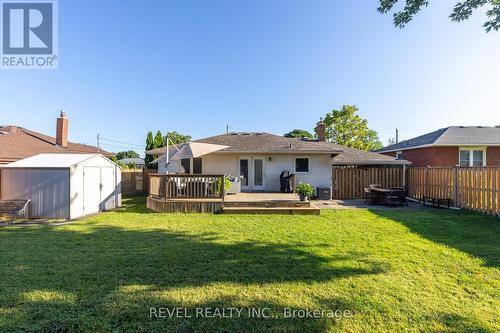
(258, 174)
(91, 189)
(245, 173)
(252, 175)
(108, 188)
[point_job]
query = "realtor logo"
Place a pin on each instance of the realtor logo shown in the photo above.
(29, 34)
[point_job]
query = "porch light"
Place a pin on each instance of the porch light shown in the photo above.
(269, 158)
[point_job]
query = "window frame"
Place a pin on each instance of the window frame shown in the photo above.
(308, 164)
(471, 150)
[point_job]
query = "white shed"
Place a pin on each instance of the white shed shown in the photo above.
(63, 185)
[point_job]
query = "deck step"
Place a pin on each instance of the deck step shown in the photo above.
(312, 210)
(268, 204)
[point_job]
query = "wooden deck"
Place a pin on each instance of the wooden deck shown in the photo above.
(241, 203)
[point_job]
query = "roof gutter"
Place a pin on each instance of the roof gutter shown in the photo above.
(439, 145)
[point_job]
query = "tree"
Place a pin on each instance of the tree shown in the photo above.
(391, 141)
(177, 138)
(346, 128)
(149, 145)
(461, 12)
(158, 141)
(127, 154)
(298, 133)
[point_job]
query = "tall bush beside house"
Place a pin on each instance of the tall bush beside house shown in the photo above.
(305, 191)
(149, 145)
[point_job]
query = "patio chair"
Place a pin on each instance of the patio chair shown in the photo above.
(367, 195)
(371, 197)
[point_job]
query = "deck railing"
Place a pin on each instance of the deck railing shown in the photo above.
(184, 186)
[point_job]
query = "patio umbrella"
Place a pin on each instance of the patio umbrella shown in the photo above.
(196, 149)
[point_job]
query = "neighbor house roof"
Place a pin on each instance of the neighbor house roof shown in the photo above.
(450, 136)
(17, 143)
(257, 142)
(51, 161)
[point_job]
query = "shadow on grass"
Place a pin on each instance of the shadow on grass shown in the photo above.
(470, 232)
(76, 275)
(134, 204)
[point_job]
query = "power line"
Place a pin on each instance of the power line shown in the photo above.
(122, 142)
(118, 146)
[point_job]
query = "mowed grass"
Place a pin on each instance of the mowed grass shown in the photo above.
(392, 270)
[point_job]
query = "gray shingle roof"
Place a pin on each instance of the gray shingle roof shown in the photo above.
(451, 136)
(246, 142)
(265, 142)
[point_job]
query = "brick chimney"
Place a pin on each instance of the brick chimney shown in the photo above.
(62, 130)
(12, 129)
(321, 130)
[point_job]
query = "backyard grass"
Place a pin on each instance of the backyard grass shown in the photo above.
(383, 270)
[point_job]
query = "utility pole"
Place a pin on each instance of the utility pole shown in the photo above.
(98, 147)
(227, 128)
(397, 135)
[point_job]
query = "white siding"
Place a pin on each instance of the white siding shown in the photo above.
(319, 175)
(173, 166)
(48, 190)
(220, 164)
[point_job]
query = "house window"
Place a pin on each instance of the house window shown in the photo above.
(398, 154)
(197, 166)
(472, 157)
(302, 164)
(186, 165)
(464, 158)
(477, 158)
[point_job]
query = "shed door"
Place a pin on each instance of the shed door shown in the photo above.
(108, 188)
(91, 189)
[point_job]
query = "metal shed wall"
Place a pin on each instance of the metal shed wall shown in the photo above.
(48, 190)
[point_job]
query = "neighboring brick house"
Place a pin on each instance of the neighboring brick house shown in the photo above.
(17, 143)
(464, 146)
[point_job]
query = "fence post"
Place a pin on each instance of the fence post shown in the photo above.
(455, 187)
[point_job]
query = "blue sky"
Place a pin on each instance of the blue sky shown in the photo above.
(126, 67)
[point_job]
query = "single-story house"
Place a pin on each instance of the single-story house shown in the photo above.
(63, 186)
(465, 146)
(258, 159)
(17, 143)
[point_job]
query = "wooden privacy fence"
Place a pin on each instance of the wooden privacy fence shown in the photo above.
(348, 182)
(474, 188)
(136, 181)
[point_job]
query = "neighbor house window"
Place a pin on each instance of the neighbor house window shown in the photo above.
(302, 164)
(398, 154)
(186, 165)
(464, 158)
(197, 166)
(472, 157)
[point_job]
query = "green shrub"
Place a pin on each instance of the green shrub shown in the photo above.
(216, 185)
(305, 189)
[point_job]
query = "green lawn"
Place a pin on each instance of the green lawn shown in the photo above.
(386, 270)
